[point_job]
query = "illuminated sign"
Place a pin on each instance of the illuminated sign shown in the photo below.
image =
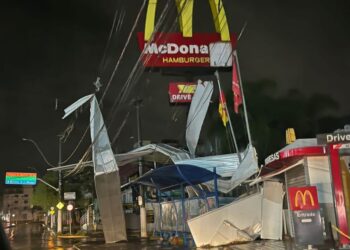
(60, 205)
(181, 92)
(17, 178)
(185, 16)
(187, 49)
(69, 195)
(174, 50)
(341, 137)
(303, 198)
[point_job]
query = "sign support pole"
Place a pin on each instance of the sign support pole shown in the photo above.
(229, 120)
(59, 212)
(338, 193)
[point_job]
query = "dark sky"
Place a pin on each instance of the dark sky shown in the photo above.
(53, 49)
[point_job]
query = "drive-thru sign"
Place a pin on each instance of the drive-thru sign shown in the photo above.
(303, 203)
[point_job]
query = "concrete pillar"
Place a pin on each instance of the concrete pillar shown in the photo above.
(51, 222)
(59, 221)
(143, 221)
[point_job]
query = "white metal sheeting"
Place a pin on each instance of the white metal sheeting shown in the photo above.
(242, 220)
(173, 153)
(107, 181)
(198, 110)
(272, 202)
(225, 165)
(230, 223)
(228, 166)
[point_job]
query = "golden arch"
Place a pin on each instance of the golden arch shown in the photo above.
(185, 10)
(303, 198)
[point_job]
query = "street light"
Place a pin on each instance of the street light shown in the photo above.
(59, 189)
(143, 219)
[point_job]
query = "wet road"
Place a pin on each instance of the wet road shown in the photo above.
(34, 236)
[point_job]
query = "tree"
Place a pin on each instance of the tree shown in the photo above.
(44, 196)
(270, 113)
(82, 184)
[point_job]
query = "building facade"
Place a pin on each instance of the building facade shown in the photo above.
(16, 204)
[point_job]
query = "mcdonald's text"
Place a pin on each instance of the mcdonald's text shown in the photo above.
(174, 50)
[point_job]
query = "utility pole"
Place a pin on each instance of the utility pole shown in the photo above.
(59, 212)
(59, 189)
(141, 200)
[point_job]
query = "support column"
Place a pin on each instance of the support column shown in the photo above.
(51, 221)
(59, 212)
(338, 193)
(143, 220)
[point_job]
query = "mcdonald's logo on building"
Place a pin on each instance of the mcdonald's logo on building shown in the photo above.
(185, 49)
(303, 198)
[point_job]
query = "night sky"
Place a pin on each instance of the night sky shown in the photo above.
(53, 49)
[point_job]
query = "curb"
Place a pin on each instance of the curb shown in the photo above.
(72, 236)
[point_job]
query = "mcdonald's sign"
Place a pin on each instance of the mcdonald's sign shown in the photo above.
(185, 49)
(303, 198)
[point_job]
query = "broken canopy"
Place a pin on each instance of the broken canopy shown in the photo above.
(196, 115)
(107, 180)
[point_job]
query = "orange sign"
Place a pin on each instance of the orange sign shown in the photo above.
(303, 198)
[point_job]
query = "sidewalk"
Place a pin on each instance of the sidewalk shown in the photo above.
(96, 241)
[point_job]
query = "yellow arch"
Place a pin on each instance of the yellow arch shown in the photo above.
(303, 198)
(185, 10)
(220, 20)
(150, 17)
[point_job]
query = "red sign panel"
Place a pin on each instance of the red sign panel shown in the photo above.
(303, 198)
(174, 50)
(181, 92)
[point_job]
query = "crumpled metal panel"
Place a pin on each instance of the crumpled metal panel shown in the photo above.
(111, 210)
(107, 180)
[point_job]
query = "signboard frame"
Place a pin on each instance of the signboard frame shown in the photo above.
(303, 203)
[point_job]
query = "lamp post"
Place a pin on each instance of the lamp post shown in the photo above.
(59, 212)
(141, 201)
(59, 189)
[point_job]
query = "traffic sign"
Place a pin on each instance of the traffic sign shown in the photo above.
(69, 196)
(52, 212)
(60, 205)
(69, 207)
